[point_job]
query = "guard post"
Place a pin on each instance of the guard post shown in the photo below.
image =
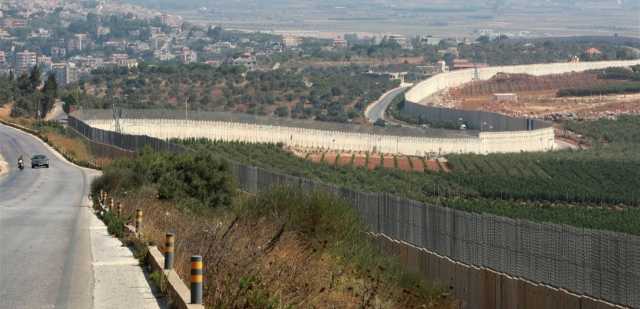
(169, 251)
(196, 279)
(139, 222)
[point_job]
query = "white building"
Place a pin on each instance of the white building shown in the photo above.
(188, 56)
(25, 60)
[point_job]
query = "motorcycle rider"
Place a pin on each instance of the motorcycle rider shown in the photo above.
(20, 162)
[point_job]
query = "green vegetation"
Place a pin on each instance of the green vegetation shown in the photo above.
(621, 73)
(199, 180)
(570, 187)
(30, 101)
(624, 131)
(617, 88)
(505, 51)
(624, 80)
(310, 238)
(333, 94)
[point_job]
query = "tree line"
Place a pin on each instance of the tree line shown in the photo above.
(30, 97)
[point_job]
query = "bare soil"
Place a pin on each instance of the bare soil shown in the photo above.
(537, 97)
(359, 159)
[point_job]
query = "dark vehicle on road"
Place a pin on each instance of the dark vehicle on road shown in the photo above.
(39, 161)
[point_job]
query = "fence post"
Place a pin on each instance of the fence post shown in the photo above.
(120, 210)
(169, 251)
(139, 222)
(111, 204)
(196, 279)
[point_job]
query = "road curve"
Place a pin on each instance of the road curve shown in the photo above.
(377, 109)
(45, 260)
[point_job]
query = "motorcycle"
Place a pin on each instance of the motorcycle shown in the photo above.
(20, 164)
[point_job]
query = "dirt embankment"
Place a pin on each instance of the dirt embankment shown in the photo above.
(261, 262)
(535, 96)
(372, 161)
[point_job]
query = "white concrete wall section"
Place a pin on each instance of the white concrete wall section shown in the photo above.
(439, 82)
(489, 142)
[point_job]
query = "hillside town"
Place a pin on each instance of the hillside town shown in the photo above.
(73, 38)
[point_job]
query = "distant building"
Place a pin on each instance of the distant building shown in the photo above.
(188, 56)
(15, 23)
(429, 70)
(401, 40)
(102, 31)
(171, 20)
(460, 64)
(339, 43)
(89, 62)
(592, 51)
(65, 73)
(247, 60)
(122, 61)
(163, 55)
(40, 33)
(78, 42)
(58, 52)
(25, 60)
(290, 41)
(429, 40)
(116, 57)
(44, 62)
(505, 97)
(155, 31)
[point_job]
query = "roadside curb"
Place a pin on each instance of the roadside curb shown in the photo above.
(177, 290)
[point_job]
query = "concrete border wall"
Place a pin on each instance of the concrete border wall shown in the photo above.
(423, 90)
(486, 142)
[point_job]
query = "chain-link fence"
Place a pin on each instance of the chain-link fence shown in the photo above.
(601, 264)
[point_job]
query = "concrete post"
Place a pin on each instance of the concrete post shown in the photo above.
(196, 279)
(139, 222)
(169, 250)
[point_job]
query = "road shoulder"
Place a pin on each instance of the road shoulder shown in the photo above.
(119, 281)
(4, 166)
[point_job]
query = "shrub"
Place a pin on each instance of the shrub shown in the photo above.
(196, 178)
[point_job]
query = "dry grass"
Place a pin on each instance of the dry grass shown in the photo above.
(74, 147)
(259, 263)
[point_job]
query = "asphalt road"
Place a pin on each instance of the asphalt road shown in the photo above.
(377, 109)
(45, 253)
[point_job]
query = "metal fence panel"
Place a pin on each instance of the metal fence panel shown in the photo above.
(600, 264)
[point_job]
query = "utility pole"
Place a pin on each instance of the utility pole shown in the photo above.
(186, 108)
(116, 118)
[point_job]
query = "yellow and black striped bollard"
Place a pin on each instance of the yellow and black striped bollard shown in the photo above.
(169, 250)
(196, 279)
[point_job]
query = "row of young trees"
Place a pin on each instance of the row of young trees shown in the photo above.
(30, 97)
